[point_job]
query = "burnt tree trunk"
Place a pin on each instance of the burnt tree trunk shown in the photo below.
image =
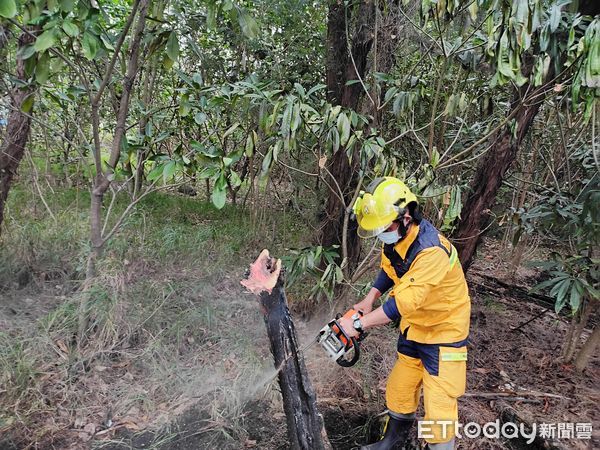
(304, 423)
(18, 127)
(491, 171)
(342, 68)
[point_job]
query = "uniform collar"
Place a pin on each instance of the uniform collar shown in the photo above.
(403, 246)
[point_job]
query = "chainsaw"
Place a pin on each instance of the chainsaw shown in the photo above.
(337, 344)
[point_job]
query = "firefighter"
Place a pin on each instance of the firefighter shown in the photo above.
(430, 299)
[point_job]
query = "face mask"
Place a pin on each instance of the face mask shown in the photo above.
(389, 237)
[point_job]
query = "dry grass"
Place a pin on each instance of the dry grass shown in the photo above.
(169, 328)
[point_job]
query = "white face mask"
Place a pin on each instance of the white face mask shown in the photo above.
(389, 237)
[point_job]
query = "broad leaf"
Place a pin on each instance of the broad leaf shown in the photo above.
(219, 193)
(45, 40)
(27, 103)
(8, 8)
(173, 46)
(169, 170)
(90, 45)
(248, 24)
(42, 68)
(343, 126)
(70, 28)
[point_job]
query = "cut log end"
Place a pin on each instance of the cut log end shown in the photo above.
(263, 275)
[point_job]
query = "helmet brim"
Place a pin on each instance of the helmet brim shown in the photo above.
(367, 234)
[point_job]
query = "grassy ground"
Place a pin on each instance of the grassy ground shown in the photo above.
(170, 326)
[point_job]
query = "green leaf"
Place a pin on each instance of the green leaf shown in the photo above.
(250, 144)
(169, 170)
(26, 52)
(200, 118)
(42, 68)
(266, 164)
(219, 194)
(473, 9)
(576, 294)
(197, 78)
(173, 46)
(156, 173)
(286, 118)
(560, 291)
(248, 24)
(27, 103)
(276, 149)
(70, 28)
(106, 40)
(67, 5)
(300, 90)
(296, 119)
(555, 14)
(343, 125)
(235, 179)
(435, 158)
(45, 40)
(90, 45)
(211, 16)
(8, 8)
(184, 106)
(335, 139)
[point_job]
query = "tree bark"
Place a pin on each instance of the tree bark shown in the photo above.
(491, 171)
(341, 68)
(304, 423)
(18, 127)
(588, 349)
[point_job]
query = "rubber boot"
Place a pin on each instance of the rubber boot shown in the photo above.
(396, 432)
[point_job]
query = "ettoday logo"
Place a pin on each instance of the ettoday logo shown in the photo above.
(506, 430)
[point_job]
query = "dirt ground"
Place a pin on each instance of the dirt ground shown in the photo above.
(242, 409)
(518, 364)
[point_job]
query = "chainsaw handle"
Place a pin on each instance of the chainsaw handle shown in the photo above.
(349, 363)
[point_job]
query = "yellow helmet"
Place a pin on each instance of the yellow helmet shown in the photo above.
(381, 204)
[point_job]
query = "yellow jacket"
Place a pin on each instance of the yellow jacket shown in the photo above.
(429, 291)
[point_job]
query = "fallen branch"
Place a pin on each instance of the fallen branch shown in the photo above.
(305, 425)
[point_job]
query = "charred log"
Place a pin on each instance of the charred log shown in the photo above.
(304, 423)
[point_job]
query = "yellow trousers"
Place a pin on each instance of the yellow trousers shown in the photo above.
(440, 389)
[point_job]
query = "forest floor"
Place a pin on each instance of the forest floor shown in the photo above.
(179, 357)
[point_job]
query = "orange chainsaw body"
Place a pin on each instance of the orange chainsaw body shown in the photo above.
(337, 343)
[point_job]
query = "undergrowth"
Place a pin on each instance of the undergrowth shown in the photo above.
(169, 327)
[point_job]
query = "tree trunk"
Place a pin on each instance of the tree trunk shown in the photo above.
(491, 170)
(340, 69)
(304, 423)
(337, 51)
(588, 349)
(576, 327)
(101, 180)
(18, 127)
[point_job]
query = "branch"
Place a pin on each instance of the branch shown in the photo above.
(132, 67)
(132, 204)
(347, 212)
(113, 60)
